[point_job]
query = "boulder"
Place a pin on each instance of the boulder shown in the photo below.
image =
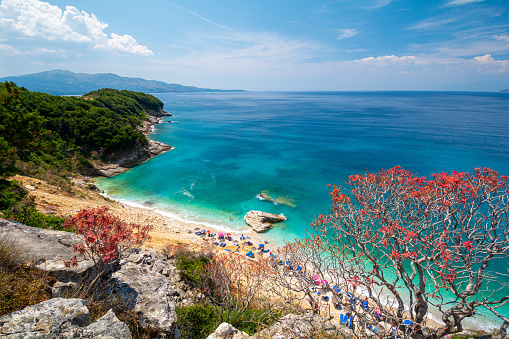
(262, 221)
(147, 292)
(227, 331)
(294, 326)
(60, 318)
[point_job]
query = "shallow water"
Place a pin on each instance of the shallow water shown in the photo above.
(229, 147)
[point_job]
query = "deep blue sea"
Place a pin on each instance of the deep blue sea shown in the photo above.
(229, 147)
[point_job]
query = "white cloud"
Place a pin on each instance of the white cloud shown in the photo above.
(489, 65)
(461, 2)
(380, 4)
(128, 44)
(388, 59)
(41, 20)
(346, 33)
(484, 58)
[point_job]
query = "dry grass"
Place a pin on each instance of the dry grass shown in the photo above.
(21, 284)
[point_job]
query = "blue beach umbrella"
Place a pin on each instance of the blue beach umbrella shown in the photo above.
(261, 245)
(299, 268)
(288, 262)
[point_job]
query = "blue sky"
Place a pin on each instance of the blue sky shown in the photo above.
(266, 45)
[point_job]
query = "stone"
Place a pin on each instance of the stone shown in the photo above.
(147, 292)
(226, 330)
(48, 318)
(262, 221)
(108, 326)
(294, 326)
(61, 318)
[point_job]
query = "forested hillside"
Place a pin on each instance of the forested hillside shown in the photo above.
(53, 137)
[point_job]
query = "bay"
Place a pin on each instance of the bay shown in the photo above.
(229, 147)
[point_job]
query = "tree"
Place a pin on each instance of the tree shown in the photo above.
(411, 244)
(105, 239)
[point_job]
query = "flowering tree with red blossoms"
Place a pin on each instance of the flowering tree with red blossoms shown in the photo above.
(413, 244)
(105, 239)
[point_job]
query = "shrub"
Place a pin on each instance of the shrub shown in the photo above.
(192, 265)
(197, 321)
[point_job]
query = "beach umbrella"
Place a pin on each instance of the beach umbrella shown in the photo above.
(228, 234)
(288, 262)
(203, 231)
(220, 234)
(325, 282)
(315, 277)
(208, 231)
(299, 268)
(262, 245)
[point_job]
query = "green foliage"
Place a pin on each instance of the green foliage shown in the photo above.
(192, 265)
(197, 321)
(26, 213)
(60, 133)
(10, 194)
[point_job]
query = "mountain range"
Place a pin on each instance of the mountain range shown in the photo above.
(61, 82)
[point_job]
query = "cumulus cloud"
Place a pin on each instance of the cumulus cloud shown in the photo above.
(41, 20)
(128, 44)
(490, 65)
(346, 33)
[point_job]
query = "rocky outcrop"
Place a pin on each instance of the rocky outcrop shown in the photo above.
(227, 331)
(262, 221)
(148, 293)
(121, 162)
(295, 326)
(145, 280)
(60, 318)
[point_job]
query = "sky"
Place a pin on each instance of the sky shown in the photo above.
(262, 45)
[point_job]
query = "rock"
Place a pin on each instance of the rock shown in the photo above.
(146, 292)
(226, 330)
(108, 326)
(122, 161)
(30, 187)
(48, 318)
(61, 318)
(44, 245)
(262, 221)
(294, 326)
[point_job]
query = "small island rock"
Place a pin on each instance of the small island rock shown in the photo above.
(262, 221)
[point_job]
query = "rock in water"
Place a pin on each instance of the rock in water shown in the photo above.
(262, 221)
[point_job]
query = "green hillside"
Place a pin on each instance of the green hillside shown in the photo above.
(54, 137)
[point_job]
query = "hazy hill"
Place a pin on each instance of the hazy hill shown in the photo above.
(505, 91)
(66, 82)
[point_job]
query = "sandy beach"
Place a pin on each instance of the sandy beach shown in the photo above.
(166, 230)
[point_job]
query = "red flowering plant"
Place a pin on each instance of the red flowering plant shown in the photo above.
(413, 245)
(105, 239)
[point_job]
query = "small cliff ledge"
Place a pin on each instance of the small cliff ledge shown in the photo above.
(262, 221)
(123, 161)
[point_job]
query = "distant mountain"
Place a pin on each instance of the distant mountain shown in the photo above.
(505, 91)
(66, 82)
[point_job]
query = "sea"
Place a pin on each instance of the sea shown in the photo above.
(229, 147)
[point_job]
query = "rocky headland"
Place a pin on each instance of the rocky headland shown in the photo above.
(121, 161)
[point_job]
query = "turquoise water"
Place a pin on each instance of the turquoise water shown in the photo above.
(231, 146)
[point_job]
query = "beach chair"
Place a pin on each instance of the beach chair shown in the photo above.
(365, 305)
(248, 253)
(372, 328)
(266, 251)
(341, 319)
(350, 323)
(216, 243)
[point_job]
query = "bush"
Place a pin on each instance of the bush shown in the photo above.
(197, 321)
(25, 213)
(192, 265)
